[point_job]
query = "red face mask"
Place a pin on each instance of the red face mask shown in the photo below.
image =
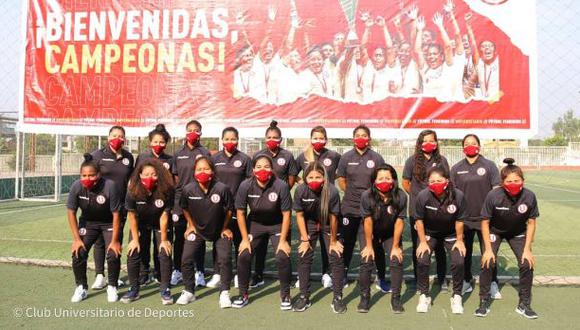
(149, 183)
(438, 188)
(263, 175)
(385, 186)
(116, 143)
(273, 144)
(230, 146)
(318, 146)
(428, 147)
(203, 178)
(315, 186)
(88, 183)
(471, 151)
(361, 143)
(158, 149)
(513, 189)
(192, 137)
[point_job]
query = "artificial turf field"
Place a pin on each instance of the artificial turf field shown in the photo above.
(39, 231)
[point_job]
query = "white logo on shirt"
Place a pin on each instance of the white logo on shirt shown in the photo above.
(195, 197)
(215, 198)
(431, 208)
(281, 161)
(166, 165)
(82, 231)
(370, 163)
(191, 237)
(198, 155)
(182, 157)
(353, 164)
(492, 238)
(481, 171)
(502, 208)
(308, 200)
(345, 221)
(522, 208)
(159, 203)
(250, 237)
(462, 172)
(83, 197)
(101, 199)
(273, 197)
(390, 209)
(327, 162)
(451, 209)
(125, 161)
(175, 218)
(254, 196)
(238, 163)
(427, 238)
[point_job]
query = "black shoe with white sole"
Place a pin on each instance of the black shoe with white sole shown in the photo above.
(256, 281)
(364, 305)
(338, 305)
(286, 303)
(526, 311)
(483, 309)
(397, 305)
(241, 301)
(301, 304)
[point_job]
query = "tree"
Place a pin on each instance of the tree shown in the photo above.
(567, 127)
(555, 140)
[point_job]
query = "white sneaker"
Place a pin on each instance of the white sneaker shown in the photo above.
(457, 304)
(225, 301)
(236, 281)
(112, 295)
(79, 295)
(297, 284)
(494, 291)
(176, 277)
(214, 282)
(424, 304)
(326, 281)
(199, 279)
(185, 298)
(466, 287)
(99, 283)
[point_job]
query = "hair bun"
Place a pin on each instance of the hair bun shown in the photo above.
(273, 124)
(160, 128)
(509, 161)
(88, 157)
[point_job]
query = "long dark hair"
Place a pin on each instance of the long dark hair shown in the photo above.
(324, 194)
(450, 186)
(420, 159)
(393, 195)
(164, 186)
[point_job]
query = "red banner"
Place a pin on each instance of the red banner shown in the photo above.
(397, 66)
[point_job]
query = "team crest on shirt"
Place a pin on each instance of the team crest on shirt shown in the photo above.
(273, 197)
(159, 203)
(427, 238)
(281, 161)
(191, 237)
(215, 198)
(175, 218)
(390, 209)
(82, 231)
(345, 221)
(101, 199)
(451, 209)
(327, 162)
(238, 163)
(481, 171)
(125, 161)
(522, 208)
(492, 238)
(370, 163)
(166, 165)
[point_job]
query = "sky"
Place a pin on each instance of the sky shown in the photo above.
(558, 59)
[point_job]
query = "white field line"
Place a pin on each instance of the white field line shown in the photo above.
(26, 209)
(554, 188)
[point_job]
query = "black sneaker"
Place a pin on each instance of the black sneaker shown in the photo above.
(483, 309)
(397, 305)
(131, 295)
(301, 304)
(364, 304)
(256, 281)
(241, 301)
(338, 306)
(166, 297)
(144, 280)
(285, 303)
(526, 311)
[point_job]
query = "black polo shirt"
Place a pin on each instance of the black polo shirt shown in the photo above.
(308, 201)
(475, 181)
(357, 170)
(208, 209)
(384, 226)
(284, 163)
(165, 159)
(149, 209)
(508, 216)
(266, 205)
(439, 221)
(232, 170)
(417, 186)
(183, 161)
(327, 158)
(97, 204)
(115, 168)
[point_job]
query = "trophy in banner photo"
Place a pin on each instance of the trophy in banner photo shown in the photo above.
(349, 8)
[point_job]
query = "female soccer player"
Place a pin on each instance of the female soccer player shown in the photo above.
(439, 213)
(383, 208)
(317, 206)
(100, 202)
(148, 203)
(207, 205)
(270, 204)
(509, 213)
